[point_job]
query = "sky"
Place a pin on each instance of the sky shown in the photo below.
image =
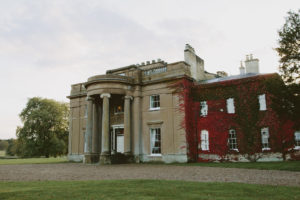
(45, 46)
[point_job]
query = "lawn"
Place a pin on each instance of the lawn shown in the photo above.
(143, 189)
(288, 165)
(33, 160)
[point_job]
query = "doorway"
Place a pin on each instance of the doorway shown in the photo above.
(117, 138)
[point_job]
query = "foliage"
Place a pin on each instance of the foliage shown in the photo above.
(143, 189)
(45, 129)
(19, 161)
(247, 120)
(191, 111)
(3, 145)
(289, 48)
(12, 147)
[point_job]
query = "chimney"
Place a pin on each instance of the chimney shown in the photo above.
(252, 64)
(196, 63)
(222, 74)
(242, 69)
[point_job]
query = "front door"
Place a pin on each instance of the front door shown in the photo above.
(120, 143)
(117, 138)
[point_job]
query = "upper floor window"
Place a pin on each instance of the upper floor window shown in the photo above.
(118, 109)
(262, 102)
(204, 108)
(232, 141)
(230, 105)
(122, 74)
(204, 140)
(154, 102)
(155, 141)
(297, 139)
(265, 138)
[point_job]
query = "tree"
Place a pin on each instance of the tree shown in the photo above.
(45, 129)
(289, 52)
(289, 48)
(3, 145)
(12, 147)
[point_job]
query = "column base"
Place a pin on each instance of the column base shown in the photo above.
(105, 159)
(91, 158)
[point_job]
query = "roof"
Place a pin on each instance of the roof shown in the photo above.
(230, 78)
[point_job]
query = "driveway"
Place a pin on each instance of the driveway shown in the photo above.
(76, 171)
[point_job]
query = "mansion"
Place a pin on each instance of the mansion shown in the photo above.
(172, 112)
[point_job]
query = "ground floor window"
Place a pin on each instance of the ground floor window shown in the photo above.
(265, 138)
(155, 141)
(204, 140)
(232, 141)
(297, 139)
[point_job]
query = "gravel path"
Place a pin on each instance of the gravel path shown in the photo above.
(75, 171)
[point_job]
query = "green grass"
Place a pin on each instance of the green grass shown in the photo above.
(32, 161)
(143, 189)
(288, 165)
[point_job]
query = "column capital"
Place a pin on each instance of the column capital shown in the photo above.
(89, 98)
(128, 97)
(105, 95)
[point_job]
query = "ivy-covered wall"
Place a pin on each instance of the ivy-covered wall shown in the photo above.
(247, 120)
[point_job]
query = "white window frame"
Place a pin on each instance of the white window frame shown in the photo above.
(265, 138)
(153, 139)
(203, 109)
(262, 102)
(152, 102)
(232, 140)
(230, 106)
(297, 140)
(204, 140)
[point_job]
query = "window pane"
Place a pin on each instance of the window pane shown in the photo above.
(265, 137)
(262, 102)
(155, 142)
(232, 141)
(230, 105)
(204, 108)
(154, 101)
(204, 140)
(297, 138)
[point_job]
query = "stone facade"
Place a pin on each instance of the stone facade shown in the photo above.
(132, 112)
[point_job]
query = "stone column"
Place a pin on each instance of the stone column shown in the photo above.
(137, 128)
(95, 135)
(105, 154)
(88, 131)
(127, 126)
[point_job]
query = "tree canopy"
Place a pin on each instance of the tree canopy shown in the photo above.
(45, 128)
(289, 48)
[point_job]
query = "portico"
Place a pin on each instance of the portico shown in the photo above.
(98, 137)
